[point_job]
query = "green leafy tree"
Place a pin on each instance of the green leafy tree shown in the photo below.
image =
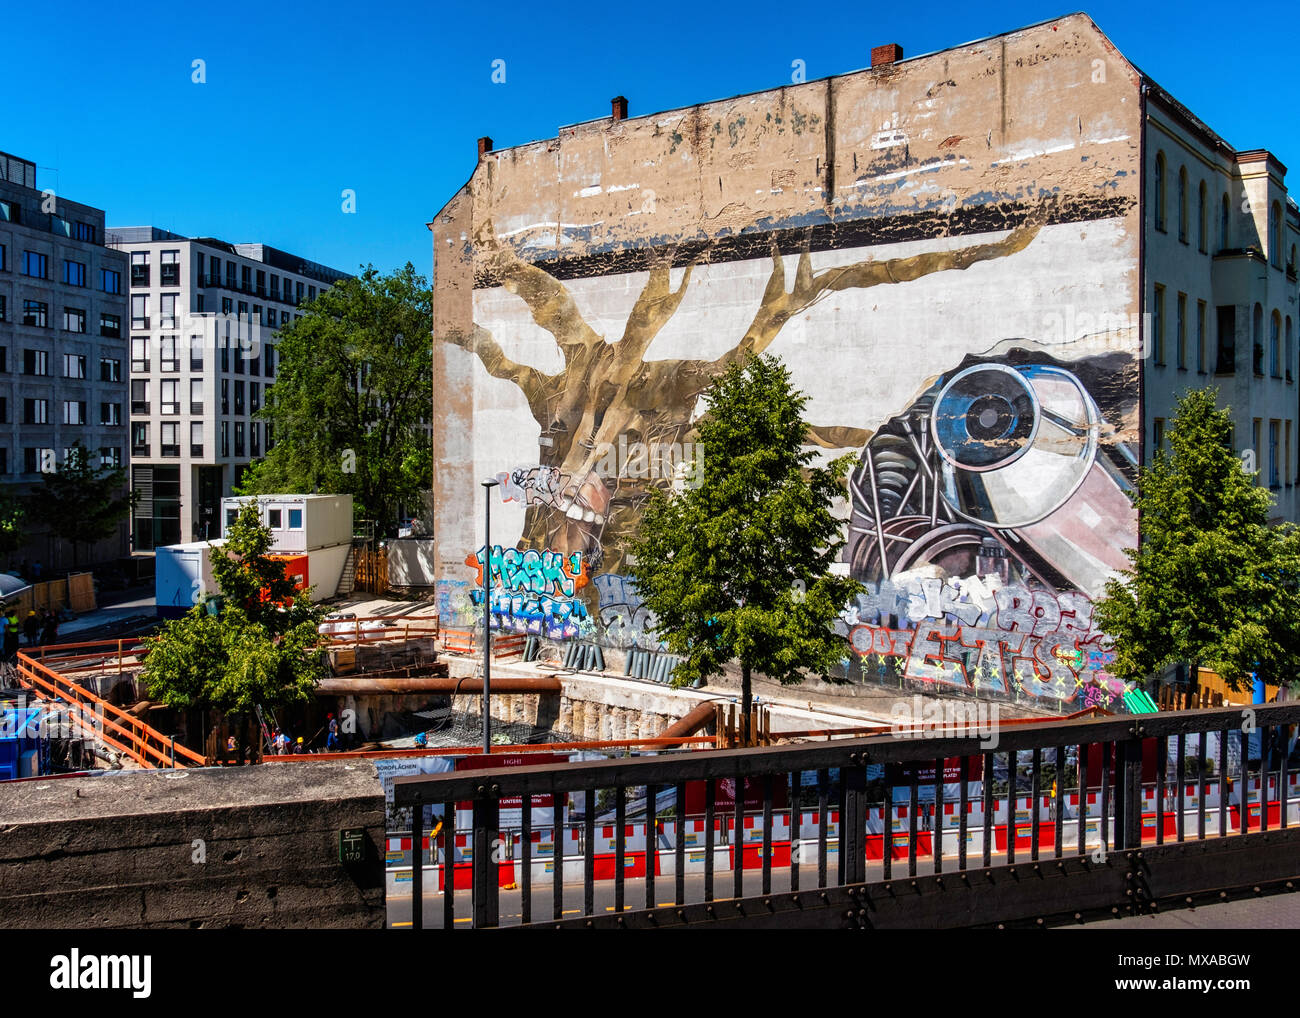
(13, 524)
(738, 568)
(350, 403)
(261, 647)
(1212, 582)
(80, 502)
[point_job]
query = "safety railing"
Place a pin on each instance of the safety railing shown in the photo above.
(1139, 836)
(100, 719)
(378, 629)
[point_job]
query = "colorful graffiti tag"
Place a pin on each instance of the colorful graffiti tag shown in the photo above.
(531, 591)
(981, 635)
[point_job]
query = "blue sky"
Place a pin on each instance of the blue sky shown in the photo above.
(303, 101)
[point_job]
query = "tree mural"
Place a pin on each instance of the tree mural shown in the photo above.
(607, 391)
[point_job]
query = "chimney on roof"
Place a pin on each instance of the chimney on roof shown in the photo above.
(619, 107)
(887, 54)
(484, 146)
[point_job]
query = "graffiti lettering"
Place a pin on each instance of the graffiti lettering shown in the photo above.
(532, 592)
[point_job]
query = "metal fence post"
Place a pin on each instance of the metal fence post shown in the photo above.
(853, 820)
(1128, 800)
(417, 864)
(487, 886)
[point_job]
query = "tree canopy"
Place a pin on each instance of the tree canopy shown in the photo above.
(739, 568)
(352, 396)
(1212, 582)
(80, 502)
(261, 647)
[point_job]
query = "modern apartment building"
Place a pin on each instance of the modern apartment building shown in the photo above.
(202, 317)
(992, 269)
(62, 344)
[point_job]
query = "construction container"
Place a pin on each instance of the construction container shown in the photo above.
(299, 523)
(182, 577)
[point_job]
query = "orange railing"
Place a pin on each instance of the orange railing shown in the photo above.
(108, 723)
(350, 632)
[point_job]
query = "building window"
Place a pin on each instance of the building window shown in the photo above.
(270, 361)
(261, 283)
(35, 265)
(167, 310)
(1274, 345)
(139, 268)
(168, 402)
(254, 397)
(35, 460)
(254, 439)
(1182, 204)
(225, 397)
(1223, 223)
(36, 362)
(74, 411)
(1180, 333)
(1158, 325)
(74, 320)
(170, 443)
(167, 358)
(1275, 235)
(110, 281)
(1202, 213)
(74, 273)
(1254, 440)
(140, 311)
(139, 354)
(1286, 455)
(4, 308)
(110, 414)
(169, 268)
(139, 396)
(295, 519)
(36, 411)
(246, 279)
(74, 365)
(239, 438)
(110, 325)
(196, 395)
(36, 313)
(1273, 481)
(86, 232)
(1226, 354)
(110, 457)
(196, 438)
(140, 438)
(1201, 352)
(239, 398)
(225, 438)
(1257, 342)
(1289, 351)
(231, 270)
(110, 369)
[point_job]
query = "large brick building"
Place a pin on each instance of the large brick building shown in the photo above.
(992, 269)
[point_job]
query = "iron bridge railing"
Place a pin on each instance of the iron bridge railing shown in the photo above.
(1140, 838)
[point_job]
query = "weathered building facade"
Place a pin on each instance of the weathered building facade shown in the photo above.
(947, 252)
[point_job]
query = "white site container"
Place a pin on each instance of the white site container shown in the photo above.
(299, 523)
(182, 577)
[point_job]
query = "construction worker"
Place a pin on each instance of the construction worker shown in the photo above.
(11, 633)
(32, 628)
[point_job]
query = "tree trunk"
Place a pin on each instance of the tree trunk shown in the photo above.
(746, 702)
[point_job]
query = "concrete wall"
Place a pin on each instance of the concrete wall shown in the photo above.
(248, 847)
(925, 245)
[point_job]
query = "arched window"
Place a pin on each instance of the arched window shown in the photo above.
(1275, 235)
(1257, 340)
(1160, 190)
(1223, 224)
(1202, 212)
(1274, 342)
(1182, 204)
(1289, 351)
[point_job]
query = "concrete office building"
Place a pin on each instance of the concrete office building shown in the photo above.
(992, 269)
(203, 315)
(62, 346)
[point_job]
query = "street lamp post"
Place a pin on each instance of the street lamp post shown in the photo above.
(487, 613)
